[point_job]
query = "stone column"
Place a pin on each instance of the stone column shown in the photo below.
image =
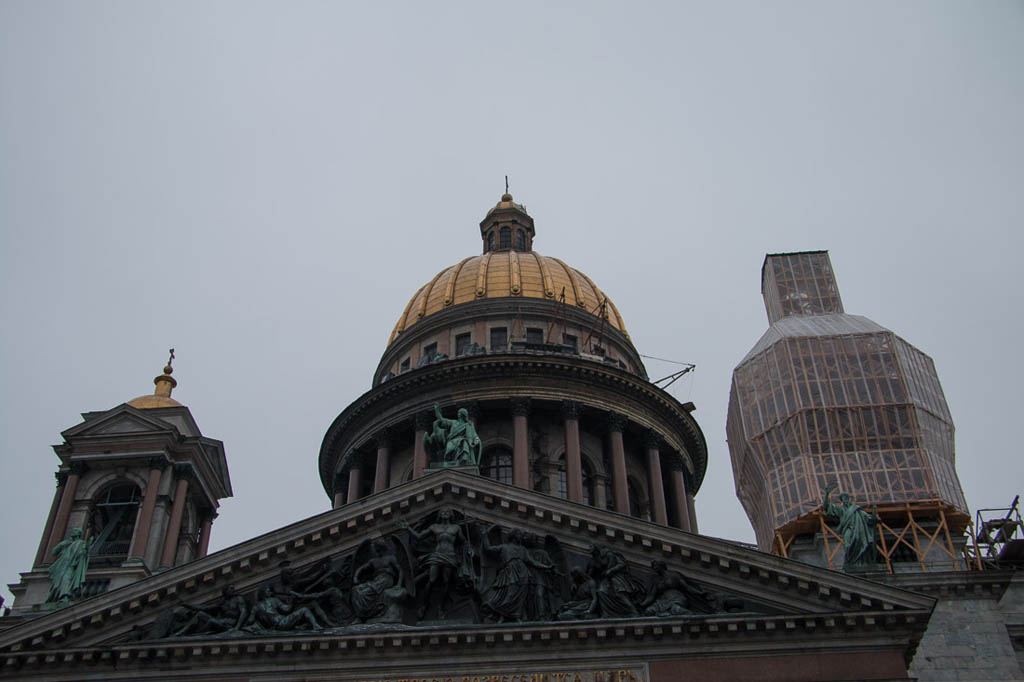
(67, 500)
(657, 488)
(355, 481)
(339, 492)
(144, 521)
(383, 472)
(520, 443)
(424, 420)
(573, 459)
(616, 422)
(691, 508)
(204, 534)
(44, 541)
(678, 485)
(182, 474)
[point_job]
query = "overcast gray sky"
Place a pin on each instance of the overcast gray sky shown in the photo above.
(263, 186)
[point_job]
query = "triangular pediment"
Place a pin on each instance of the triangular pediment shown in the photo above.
(122, 419)
(754, 592)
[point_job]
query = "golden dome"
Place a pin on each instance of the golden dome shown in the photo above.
(500, 274)
(161, 395)
(145, 402)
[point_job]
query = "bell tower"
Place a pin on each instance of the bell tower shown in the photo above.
(141, 483)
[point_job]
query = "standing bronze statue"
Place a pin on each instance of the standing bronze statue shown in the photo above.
(507, 596)
(439, 566)
(67, 573)
(453, 442)
(856, 527)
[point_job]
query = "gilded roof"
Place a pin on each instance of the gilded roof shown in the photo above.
(146, 402)
(500, 274)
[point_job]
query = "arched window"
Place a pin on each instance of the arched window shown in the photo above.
(496, 464)
(112, 519)
(588, 484)
(609, 494)
(505, 238)
(520, 240)
(635, 503)
(563, 479)
(490, 241)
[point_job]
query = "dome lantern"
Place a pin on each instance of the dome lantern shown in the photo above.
(507, 227)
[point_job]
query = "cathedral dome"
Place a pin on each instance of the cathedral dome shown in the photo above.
(510, 273)
(161, 395)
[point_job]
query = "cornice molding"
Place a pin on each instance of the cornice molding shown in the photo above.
(805, 593)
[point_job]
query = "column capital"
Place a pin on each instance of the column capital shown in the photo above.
(208, 516)
(674, 462)
(184, 471)
(571, 409)
(691, 484)
(424, 420)
(78, 468)
(615, 422)
(520, 407)
(61, 476)
(652, 439)
(383, 438)
(160, 463)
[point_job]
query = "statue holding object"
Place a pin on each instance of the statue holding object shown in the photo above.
(453, 442)
(67, 573)
(856, 527)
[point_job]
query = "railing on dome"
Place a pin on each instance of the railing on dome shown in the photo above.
(931, 533)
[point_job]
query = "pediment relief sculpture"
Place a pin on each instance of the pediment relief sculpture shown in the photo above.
(446, 568)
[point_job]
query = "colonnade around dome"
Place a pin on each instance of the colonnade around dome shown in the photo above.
(562, 448)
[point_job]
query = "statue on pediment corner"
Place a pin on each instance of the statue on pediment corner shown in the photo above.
(452, 442)
(67, 572)
(856, 527)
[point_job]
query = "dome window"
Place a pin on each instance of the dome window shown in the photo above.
(505, 238)
(499, 338)
(497, 466)
(462, 344)
(520, 240)
(490, 241)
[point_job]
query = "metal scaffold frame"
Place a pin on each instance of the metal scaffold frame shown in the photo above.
(905, 530)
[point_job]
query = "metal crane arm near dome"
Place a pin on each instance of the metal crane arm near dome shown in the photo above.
(675, 376)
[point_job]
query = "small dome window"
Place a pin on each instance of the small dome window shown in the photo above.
(505, 238)
(520, 240)
(490, 241)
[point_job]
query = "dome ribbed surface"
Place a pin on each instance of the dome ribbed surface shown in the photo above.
(502, 274)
